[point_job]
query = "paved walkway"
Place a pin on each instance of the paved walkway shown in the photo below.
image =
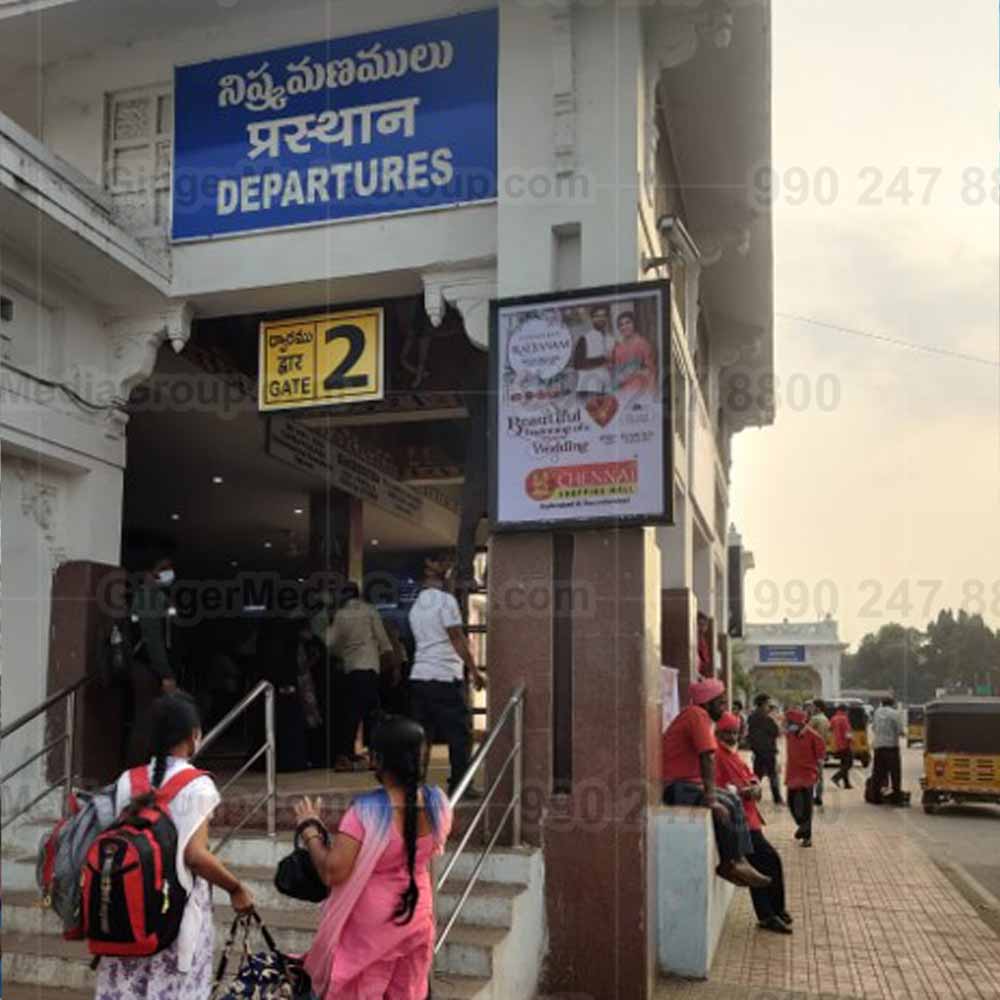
(874, 918)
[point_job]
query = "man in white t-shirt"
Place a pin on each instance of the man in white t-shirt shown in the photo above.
(440, 663)
(591, 355)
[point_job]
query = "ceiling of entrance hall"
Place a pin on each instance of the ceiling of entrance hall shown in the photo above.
(178, 446)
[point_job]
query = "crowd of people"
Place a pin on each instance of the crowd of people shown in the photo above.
(335, 674)
(375, 932)
(702, 766)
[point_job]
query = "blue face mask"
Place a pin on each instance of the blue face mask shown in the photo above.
(793, 727)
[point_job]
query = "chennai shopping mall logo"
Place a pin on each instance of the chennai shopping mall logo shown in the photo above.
(598, 479)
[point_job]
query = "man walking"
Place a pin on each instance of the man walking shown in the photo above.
(152, 672)
(762, 735)
(804, 755)
(821, 724)
(358, 638)
(840, 726)
(440, 662)
(731, 771)
(887, 728)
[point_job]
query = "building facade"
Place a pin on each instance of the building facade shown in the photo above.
(792, 661)
(618, 144)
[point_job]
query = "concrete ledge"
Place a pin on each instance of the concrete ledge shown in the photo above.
(691, 900)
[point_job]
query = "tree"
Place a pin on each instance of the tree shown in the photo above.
(962, 653)
(893, 659)
(959, 653)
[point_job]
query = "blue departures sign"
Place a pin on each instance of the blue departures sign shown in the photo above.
(389, 121)
(782, 654)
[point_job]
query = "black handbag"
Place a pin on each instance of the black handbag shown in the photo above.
(297, 876)
(264, 975)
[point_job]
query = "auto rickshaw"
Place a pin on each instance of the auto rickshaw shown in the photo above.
(858, 717)
(961, 752)
(914, 725)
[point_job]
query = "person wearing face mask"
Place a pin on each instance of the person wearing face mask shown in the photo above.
(732, 771)
(152, 673)
(689, 779)
(805, 752)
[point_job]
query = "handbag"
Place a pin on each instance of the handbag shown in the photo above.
(297, 876)
(263, 975)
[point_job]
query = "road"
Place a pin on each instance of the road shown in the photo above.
(967, 836)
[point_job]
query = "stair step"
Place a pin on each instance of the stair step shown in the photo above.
(448, 987)
(33, 991)
(35, 953)
(444, 988)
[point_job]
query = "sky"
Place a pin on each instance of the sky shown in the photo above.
(876, 494)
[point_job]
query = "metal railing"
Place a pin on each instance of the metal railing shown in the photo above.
(67, 695)
(514, 710)
(265, 688)
(67, 740)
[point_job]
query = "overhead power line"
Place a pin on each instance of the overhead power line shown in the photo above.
(897, 341)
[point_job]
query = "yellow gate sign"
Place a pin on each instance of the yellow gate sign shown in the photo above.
(322, 360)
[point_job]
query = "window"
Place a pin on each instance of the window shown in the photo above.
(679, 393)
(138, 156)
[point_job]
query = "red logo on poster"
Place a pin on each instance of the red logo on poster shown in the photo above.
(595, 479)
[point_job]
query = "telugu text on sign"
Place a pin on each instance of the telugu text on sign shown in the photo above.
(322, 360)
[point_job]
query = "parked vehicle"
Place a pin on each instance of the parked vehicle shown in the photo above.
(961, 752)
(914, 724)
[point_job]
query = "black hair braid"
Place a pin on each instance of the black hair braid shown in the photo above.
(403, 913)
(159, 768)
(175, 718)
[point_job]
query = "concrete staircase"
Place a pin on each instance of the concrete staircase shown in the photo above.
(492, 953)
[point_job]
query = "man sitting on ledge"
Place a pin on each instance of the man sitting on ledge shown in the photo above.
(732, 771)
(689, 780)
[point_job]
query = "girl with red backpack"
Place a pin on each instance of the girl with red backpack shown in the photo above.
(147, 905)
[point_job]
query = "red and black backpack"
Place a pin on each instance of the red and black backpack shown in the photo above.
(132, 902)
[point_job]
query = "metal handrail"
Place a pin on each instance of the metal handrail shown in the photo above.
(53, 699)
(513, 761)
(67, 695)
(270, 796)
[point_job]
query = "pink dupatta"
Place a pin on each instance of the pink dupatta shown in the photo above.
(374, 810)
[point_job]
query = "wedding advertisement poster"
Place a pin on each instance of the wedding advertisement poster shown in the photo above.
(580, 385)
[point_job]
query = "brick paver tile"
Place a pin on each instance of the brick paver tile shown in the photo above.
(875, 919)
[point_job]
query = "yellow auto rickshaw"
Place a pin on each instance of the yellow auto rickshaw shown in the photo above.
(860, 746)
(961, 752)
(914, 725)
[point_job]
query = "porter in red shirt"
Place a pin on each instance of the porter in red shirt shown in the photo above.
(805, 752)
(731, 769)
(686, 739)
(840, 726)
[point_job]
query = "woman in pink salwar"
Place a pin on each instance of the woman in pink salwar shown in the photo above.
(375, 939)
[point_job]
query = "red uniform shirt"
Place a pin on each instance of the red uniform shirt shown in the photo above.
(804, 754)
(731, 769)
(840, 726)
(689, 736)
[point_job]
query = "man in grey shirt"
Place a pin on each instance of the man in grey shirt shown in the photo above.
(887, 728)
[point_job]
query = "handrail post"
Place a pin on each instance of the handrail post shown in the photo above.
(271, 782)
(69, 738)
(518, 769)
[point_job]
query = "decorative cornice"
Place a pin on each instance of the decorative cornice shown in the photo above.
(713, 245)
(135, 341)
(563, 88)
(674, 31)
(468, 290)
(41, 502)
